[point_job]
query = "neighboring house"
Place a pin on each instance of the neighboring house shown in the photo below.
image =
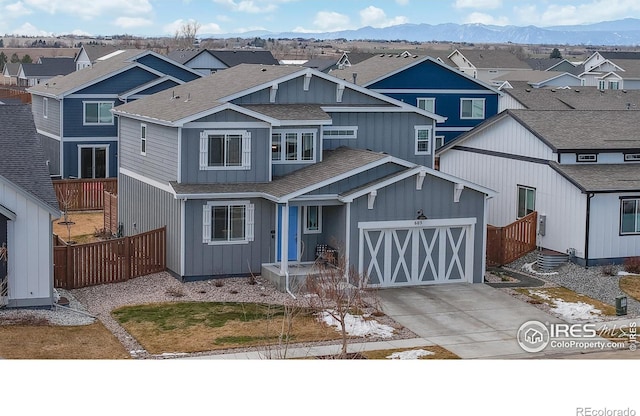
(46, 68)
(253, 168)
(10, 73)
(72, 112)
(28, 206)
(612, 70)
(426, 82)
(208, 61)
(90, 54)
(487, 64)
(352, 58)
(522, 96)
(578, 169)
(538, 79)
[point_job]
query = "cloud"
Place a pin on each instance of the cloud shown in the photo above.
(90, 9)
(554, 14)
(210, 28)
(477, 4)
(251, 6)
(402, 2)
(27, 29)
(132, 22)
(486, 19)
(375, 17)
(331, 22)
(16, 10)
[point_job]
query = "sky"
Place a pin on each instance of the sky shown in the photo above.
(165, 17)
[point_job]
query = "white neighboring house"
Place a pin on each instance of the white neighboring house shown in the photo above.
(28, 206)
(579, 169)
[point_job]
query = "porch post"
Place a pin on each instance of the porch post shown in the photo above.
(284, 239)
(347, 240)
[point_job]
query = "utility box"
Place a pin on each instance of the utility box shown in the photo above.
(621, 305)
(542, 225)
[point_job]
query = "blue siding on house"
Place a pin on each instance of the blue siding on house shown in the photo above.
(120, 83)
(70, 150)
(73, 119)
(167, 68)
(159, 87)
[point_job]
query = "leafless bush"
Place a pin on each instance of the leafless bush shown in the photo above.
(632, 265)
(175, 292)
(609, 270)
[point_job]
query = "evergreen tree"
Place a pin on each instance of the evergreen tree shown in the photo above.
(26, 59)
(14, 58)
(3, 60)
(555, 54)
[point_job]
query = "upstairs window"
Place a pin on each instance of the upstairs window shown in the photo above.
(97, 113)
(423, 140)
(427, 104)
(225, 150)
(45, 107)
(526, 200)
(293, 146)
(143, 139)
(340, 132)
(472, 108)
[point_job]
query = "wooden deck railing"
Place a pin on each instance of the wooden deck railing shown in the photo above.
(83, 194)
(109, 261)
(509, 243)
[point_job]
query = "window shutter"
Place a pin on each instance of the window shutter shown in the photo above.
(246, 150)
(204, 151)
(250, 222)
(206, 224)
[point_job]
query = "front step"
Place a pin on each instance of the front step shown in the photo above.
(549, 260)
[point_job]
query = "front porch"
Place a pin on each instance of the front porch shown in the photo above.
(297, 275)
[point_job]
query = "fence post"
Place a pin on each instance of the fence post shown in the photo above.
(69, 269)
(127, 258)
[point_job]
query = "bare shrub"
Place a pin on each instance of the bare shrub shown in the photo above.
(632, 265)
(175, 292)
(609, 270)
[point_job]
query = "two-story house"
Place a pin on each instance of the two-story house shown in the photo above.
(72, 112)
(487, 64)
(426, 82)
(612, 70)
(578, 169)
(253, 168)
(208, 61)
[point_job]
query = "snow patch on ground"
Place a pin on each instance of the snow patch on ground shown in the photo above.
(358, 325)
(528, 267)
(623, 273)
(570, 311)
(409, 355)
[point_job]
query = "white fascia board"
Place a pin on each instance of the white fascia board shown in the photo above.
(156, 184)
(444, 222)
(229, 195)
(383, 184)
(288, 197)
(97, 80)
(171, 61)
(8, 213)
(31, 197)
(467, 184)
(47, 134)
(146, 119)
(150, 84)
(227, 106)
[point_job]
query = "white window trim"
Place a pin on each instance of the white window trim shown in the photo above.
(305, 212)
(484, 109)
(436, 139)
(612, 83)
(528, 188)
(602, 85)
(418, 129)
(249, 222)
(283, 152)
(93, 146)
(84, 113)
(45, 107)
(425, 100)
(143, 139)
(586, 157)
(326, 132)
(632, 157)
(245, 147)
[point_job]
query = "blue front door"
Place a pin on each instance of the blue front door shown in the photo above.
(293, 234)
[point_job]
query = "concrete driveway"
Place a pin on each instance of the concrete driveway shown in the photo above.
(470, 320)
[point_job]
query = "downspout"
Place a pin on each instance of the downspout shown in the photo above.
(284, 254)
(586, 237)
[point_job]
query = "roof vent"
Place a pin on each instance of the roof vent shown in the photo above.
(577, 90)
(355, 77)
(188, 98)
(174, 96)
(264, 70)
(624, 91)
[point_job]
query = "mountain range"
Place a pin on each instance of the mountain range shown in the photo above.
(625, 32)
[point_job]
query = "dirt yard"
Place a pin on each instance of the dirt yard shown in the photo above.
(83, 226)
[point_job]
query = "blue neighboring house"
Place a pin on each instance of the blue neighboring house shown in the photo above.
(430, 84)
(73, 116)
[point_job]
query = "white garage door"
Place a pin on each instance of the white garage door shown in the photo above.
(421, 252)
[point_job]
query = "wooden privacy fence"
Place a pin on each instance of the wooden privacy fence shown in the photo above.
(109, 261)
(83, 194)
(509, 243)
(110, 213)
(16, 93)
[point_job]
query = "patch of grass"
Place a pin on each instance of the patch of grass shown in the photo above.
(85, 342)
(208, 326)
(566, 295)
(439, 353)
(631, 286)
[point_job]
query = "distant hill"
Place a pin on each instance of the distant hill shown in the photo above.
(625, 32)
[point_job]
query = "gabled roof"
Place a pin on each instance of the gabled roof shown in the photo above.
(383, 66)
(49, 67)
(183, 56)
(230, 58)
(619, 55)
(544, 64)
(22, 160)
(11, 69)
(533, 76)
(214, 93)
(321, 64)
(96, 51)
(575, 98)
(106, 66)
(602, 177)
(569, 131)
(493, 59)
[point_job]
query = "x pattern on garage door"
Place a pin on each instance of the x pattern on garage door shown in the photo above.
(405, 253)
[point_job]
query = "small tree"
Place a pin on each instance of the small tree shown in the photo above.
(66, 200)
(555, 54)
(26, 59)
(185, 37)
(336, 289)
(15, 59)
